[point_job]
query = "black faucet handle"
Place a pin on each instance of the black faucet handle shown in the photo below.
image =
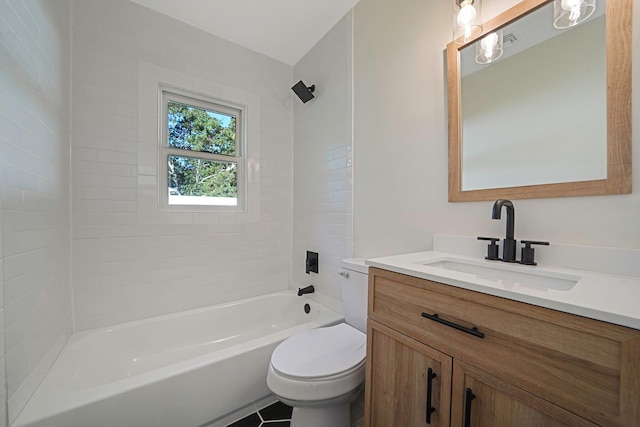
(492, 248)
(528, 253)
(492, 239)
(311, 262)
(534, 242)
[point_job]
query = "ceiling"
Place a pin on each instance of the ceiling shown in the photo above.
(282, 29)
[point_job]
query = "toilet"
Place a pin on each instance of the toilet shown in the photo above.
(320, 371)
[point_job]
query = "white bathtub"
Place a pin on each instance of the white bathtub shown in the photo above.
(184, 369)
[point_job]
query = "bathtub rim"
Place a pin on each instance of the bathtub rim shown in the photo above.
(76, 336)
(48, 401)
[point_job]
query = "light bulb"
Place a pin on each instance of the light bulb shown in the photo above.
(466, 15)
(488, 44)
(489, 48)
(570, 4)
(490, 41)
(573, 7)
(466, 19)
(567, 13)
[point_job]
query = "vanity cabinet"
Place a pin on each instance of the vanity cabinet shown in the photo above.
(410, 382)
(525, 365)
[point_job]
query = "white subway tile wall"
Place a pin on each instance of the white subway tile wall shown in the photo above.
(35, 246)
(322, 201)
(125, 268)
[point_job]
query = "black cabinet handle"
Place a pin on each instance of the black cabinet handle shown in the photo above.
(469, 396)
(430, 409)
(473, 331)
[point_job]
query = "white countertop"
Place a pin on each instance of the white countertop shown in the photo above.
(608, 297)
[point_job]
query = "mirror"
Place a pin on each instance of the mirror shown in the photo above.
(552, 116)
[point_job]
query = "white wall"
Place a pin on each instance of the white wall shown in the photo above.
(322, 163)
(35, 313)
(126, 267)
(400, 145)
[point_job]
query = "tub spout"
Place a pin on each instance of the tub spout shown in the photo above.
(308, 290)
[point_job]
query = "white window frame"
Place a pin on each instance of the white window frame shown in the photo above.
(151, 78)
(210, 104)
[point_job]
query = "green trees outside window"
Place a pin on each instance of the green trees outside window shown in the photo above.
(197, 130)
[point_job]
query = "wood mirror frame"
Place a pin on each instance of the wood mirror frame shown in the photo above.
(618, 44)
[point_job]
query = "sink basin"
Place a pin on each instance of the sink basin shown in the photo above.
(508, 276)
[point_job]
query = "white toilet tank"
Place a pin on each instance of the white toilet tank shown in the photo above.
(354, 279)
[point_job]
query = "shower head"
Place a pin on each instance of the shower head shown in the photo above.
(304, 93)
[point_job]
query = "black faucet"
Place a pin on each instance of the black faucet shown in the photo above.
(308, 290)
(509, 243)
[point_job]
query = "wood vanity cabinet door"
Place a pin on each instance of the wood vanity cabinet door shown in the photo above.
(397, 381)
(482, 400)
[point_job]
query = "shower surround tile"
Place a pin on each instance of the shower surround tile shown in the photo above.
(125, 266)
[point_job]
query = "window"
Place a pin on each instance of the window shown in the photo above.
(202, 157)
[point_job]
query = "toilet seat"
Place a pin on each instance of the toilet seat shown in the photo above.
(318, 366)
(322, 353)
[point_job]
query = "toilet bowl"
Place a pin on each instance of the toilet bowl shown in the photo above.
(320, 371)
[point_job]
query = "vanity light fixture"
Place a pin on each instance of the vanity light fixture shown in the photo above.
(567, 13)
(467, 19)
(489, 48)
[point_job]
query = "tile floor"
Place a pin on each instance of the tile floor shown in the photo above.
(275, 415)
(279, 415)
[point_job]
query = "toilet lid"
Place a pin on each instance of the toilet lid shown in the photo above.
(320, 352)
